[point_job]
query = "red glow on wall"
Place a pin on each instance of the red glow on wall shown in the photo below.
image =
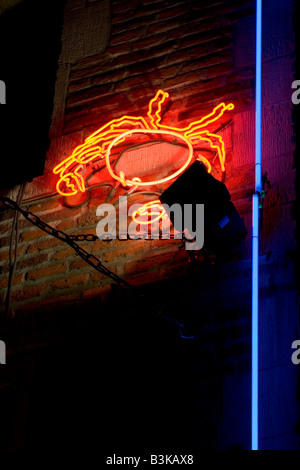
(100, 143)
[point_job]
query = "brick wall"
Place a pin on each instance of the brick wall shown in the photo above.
(182, 48)
(201, 53)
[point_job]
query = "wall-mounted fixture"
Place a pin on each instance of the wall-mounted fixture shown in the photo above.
(223, 227)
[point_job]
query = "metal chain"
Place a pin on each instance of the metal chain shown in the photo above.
(70, 240)
(90, 259)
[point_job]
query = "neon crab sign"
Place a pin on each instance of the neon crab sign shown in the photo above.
(101, 142)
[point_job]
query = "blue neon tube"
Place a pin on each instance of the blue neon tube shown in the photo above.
(258, 95)
(254, 391)
(255, 231)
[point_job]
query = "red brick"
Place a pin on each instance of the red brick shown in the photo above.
(124, 251)
(130, 83)
(4, 255)
(119, 49)
(124, 6)
(149, 9)
(28, 292)
(139, 24)
(140, 67)
(61, 214)
(216, 7)
(100, 111)
(31, 261)
(70, 281)
(47, 205)
(218, 70)
(86, 61)
(88, 95)
(96, 276)
(62, 254)
(189, 54)
(163, 26)
(48, 271)
(150, 41)
(89, 218)
(185, 29)
(156, 245)
(65, 225)
(7, 215)
(79, 85)
(225, 93)
(127, 36)
(43, 245)
(186, 79)
(5, 228)
(196, 39)
(192, 53)
(4, 267)
(139, 97)
(4, 241)
(169, 72)
(105, 108)
(84, 231)
(17, 280)
(172, 13)
(89, 70)
(162, 51)
(100, 245)
(125, 16)
(212, 61)
(151, 2)
(79, 264)
(150, 261)
(4, 282)
(75, 117)
(127, 59)
(31, 235)
(24, 223)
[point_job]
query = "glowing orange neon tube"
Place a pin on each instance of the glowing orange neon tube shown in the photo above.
(147, 210)
(206, 162)
(99, 144)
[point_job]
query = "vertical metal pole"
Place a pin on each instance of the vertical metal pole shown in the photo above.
(255, 232)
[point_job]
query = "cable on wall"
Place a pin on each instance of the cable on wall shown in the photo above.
(13, 250)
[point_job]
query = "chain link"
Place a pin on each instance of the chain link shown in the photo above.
(69, 239)
(85, 237)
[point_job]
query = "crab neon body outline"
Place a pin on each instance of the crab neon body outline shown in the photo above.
(99, 144)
